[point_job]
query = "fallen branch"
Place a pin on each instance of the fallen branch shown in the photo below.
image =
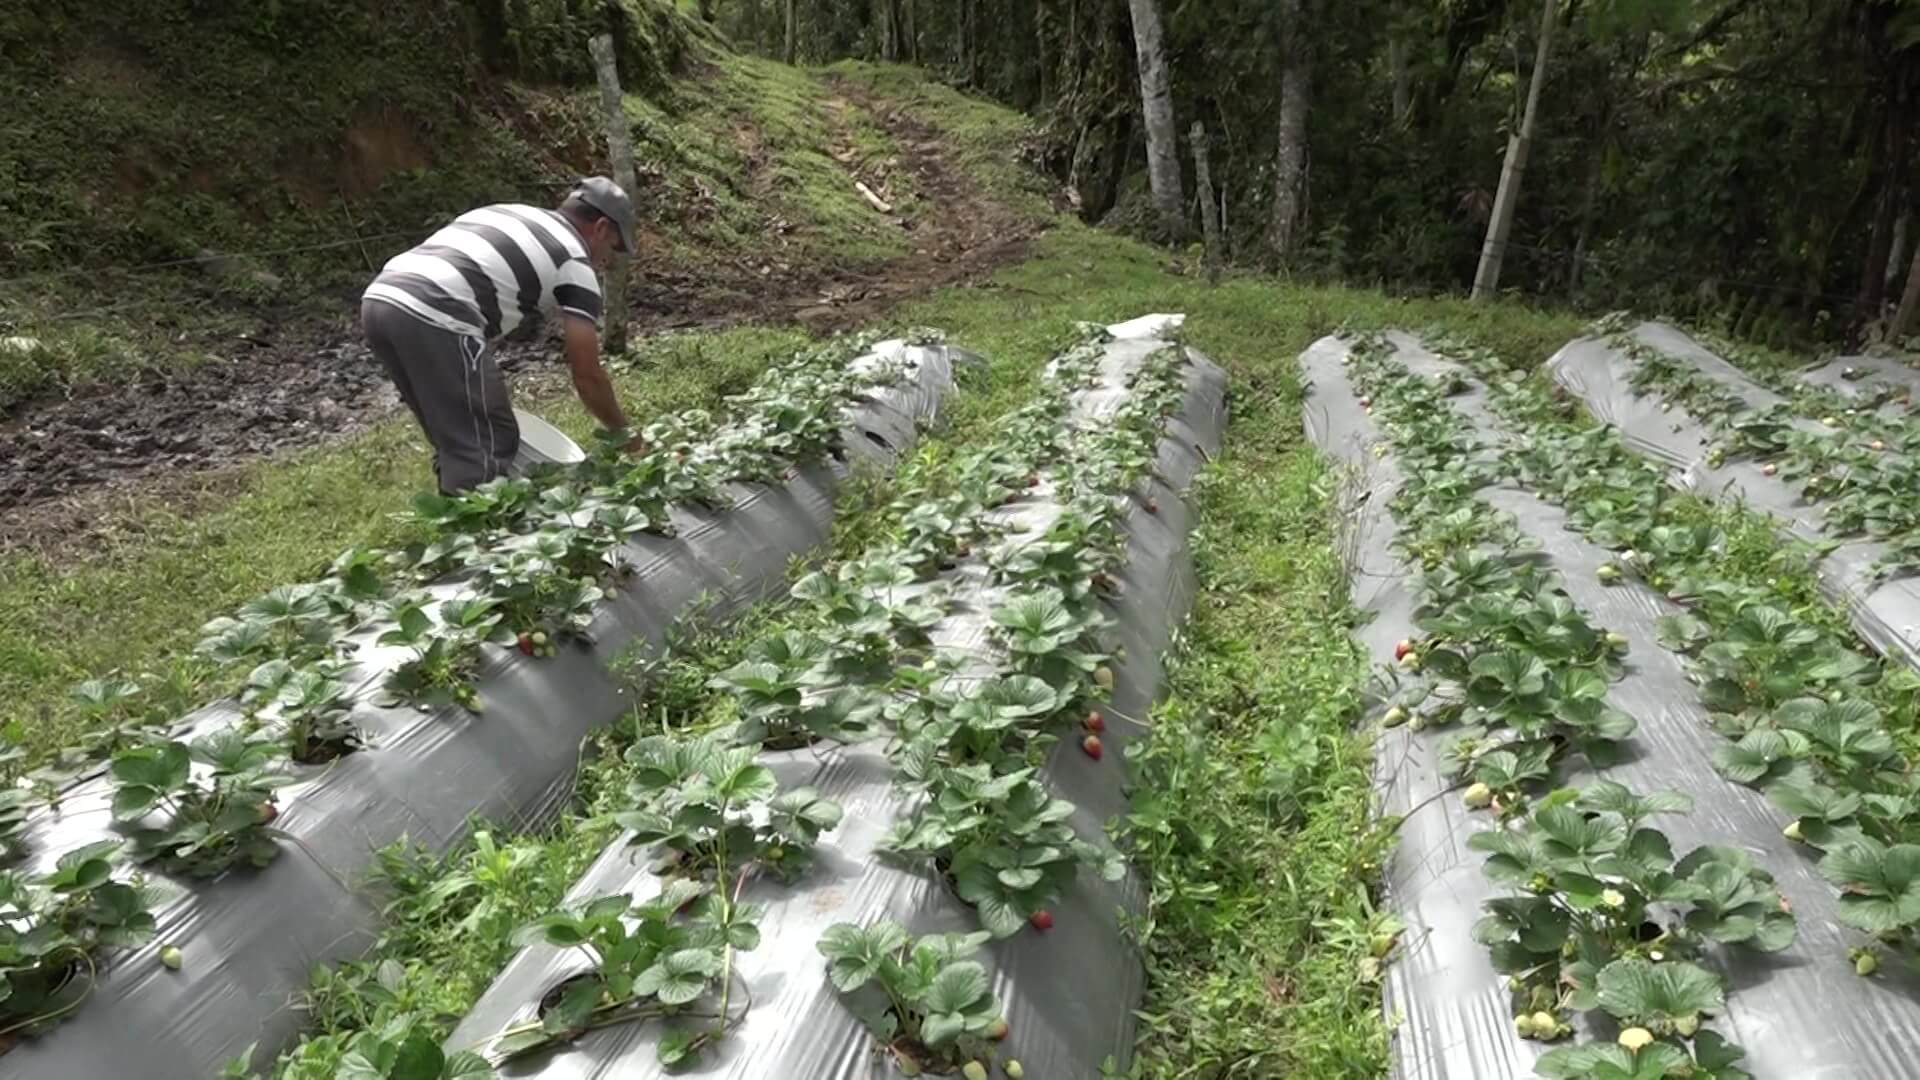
(876, 201)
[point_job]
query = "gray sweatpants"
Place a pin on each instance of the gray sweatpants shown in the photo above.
(455, 390)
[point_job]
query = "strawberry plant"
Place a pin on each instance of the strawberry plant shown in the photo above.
(292, 622)
(996, 720)
(355, 585)
(1595, 880)
(404, 1049)
(719, 812)
(200, 825)
(648, 963)
(52, 924)
(934, 1007)
(534, 593)
(868, 606)
(932, 532)
(119, 714)
(444, 651)
(1001, 841)
(1710, 1058)
(1044, 631)
(492, 507)
(1879, 887)
(1069, 556)
(309, 705)
(436, 558)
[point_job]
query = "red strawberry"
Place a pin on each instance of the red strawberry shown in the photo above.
(1033, 481)
(526, 643)
(268, 812)
(1091, 744)
(1153, 506)
(1095, 722)
(1401, 650)
(1041, 920)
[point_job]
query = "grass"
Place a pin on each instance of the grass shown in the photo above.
(1251, 818)
(116, 189)
(983, 138)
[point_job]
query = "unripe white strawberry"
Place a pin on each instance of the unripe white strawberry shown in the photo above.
(1634, 1038)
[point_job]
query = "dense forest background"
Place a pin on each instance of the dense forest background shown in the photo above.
(1747, 162)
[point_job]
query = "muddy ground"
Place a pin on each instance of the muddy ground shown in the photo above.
(62, 462)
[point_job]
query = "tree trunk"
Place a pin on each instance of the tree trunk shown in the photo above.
(1897, 254)
(1402, 82)
(1209, 209)
(792, 19)
(1909, 301)
(1290, 160)
(1874, 273)
(913, 30)
(1589, 201)
(620, 153)
(1486, 278)
(1040, 21)
(752, 23)
(1156, 97)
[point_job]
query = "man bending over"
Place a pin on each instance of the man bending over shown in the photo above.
(434, 313)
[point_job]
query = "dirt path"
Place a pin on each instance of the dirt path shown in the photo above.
(63, 463)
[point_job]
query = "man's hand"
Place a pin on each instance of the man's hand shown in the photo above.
(590, 379)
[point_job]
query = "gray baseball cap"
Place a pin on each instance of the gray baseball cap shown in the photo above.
(607, 197)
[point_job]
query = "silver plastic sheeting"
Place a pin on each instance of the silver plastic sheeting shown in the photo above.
(1855, 375)
(1800, 1013)
(1069, 994)
(1885, 613)
(252, 939)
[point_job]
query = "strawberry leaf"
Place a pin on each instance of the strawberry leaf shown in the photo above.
(1605, 1061)
(1880, 885)
(1636, 990)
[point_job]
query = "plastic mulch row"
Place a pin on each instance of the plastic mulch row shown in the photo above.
(251, 939)
(1799, 1013)
(1068, 994)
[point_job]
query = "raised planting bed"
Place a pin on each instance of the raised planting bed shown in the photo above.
(968, 801)
(1832, 472)
(1583, 891)
(458, 679)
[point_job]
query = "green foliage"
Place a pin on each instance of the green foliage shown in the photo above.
(938, 1003)
(719, 811)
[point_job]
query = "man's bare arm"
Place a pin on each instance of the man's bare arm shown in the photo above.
(590, 379)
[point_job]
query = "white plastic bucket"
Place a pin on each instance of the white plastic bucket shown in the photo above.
(543, 444)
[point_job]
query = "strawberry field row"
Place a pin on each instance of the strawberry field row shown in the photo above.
(1836, 466)
(599, 558)
(1593, 881)
(932, 681)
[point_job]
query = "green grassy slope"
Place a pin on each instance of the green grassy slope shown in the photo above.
(312, 141)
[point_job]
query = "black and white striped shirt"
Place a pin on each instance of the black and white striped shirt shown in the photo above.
(491, 268)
